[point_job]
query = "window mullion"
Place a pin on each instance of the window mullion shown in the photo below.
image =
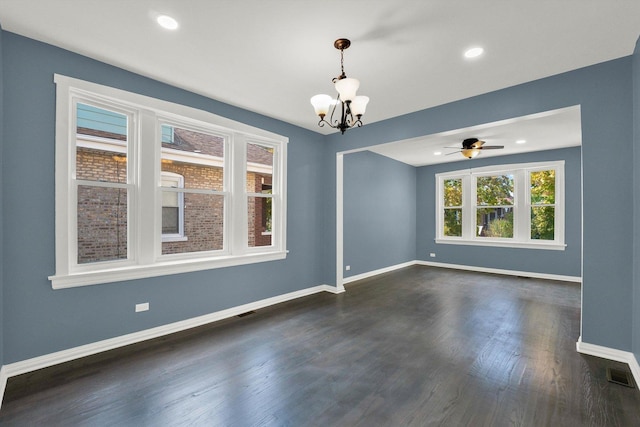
(236, 201)
(439, 207)
(148, 197)
(559, 204)
(468, 207)
(522, 206)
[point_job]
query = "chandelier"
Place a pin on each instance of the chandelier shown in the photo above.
(351, 107)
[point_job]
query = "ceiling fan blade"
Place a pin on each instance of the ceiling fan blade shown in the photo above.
(491, 147)
(453, 152)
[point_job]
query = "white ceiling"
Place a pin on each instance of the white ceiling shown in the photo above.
(271, 56)
(543, 131)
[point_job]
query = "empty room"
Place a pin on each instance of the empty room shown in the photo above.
(339, 213)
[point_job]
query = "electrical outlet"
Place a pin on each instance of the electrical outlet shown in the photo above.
(432, 254)
(142, 307)
(348, 267)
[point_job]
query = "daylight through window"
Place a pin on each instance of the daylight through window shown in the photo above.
(518, 205)
(145, 187)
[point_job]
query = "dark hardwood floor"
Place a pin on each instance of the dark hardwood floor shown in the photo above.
(417, 347)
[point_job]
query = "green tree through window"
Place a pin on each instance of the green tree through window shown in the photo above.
(543, 192)
(494, 215)
(453, 207)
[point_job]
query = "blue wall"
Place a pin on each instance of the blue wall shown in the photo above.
(604, 92)
(567, 262)
(39, 320)
(2, 323)
(636, 195)
(379, 212)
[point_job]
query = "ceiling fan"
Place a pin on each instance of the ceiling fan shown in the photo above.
(471, 147)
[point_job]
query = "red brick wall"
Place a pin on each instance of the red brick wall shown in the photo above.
(203, 213)
(102, 212)
(256, 210)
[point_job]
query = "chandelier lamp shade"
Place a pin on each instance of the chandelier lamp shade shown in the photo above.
(347, 109)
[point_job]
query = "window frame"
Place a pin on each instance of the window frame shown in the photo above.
(144, 200)
(521, 206)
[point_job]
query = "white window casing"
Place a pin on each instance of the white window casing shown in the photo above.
(144, 186)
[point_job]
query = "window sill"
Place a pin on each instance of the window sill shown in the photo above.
(158, 269)
(550, 246)
(174, 239)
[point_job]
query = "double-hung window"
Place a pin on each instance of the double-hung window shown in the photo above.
(146, 187)
(520, 205)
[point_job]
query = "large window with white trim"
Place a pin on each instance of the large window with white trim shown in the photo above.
(518, 205)
(146, 187)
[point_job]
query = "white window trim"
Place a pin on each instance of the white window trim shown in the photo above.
(144, 235)
(522, 206)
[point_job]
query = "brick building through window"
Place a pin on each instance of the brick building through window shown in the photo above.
(192, 221)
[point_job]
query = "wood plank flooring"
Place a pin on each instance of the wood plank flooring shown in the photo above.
(420, 346)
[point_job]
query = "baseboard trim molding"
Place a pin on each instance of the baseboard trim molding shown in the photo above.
(29, 365)
(376, 272)
(3, 383)
(332, 289)
(611, 354)
(533, 275)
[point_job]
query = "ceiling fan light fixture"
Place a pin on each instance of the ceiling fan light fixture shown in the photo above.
(470, 153)
(471, 147)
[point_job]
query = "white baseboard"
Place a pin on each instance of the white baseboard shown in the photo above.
(3, 383)
(501, 271)
(376, 272)
(611, 354)
(29, 365)
(332, 289)
(62, 356)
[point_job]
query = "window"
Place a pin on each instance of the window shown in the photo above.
(172, 207)
(260, 191)
(452, 207)
(101, 188)
(145, 187)
(494, 205)
(517, 205)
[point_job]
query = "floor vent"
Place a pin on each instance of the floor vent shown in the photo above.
(246, 314)
(621, 377)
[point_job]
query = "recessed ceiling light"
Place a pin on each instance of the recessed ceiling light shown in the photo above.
(474, 52)
(167, 22)
(521, 141)
(437, 153)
